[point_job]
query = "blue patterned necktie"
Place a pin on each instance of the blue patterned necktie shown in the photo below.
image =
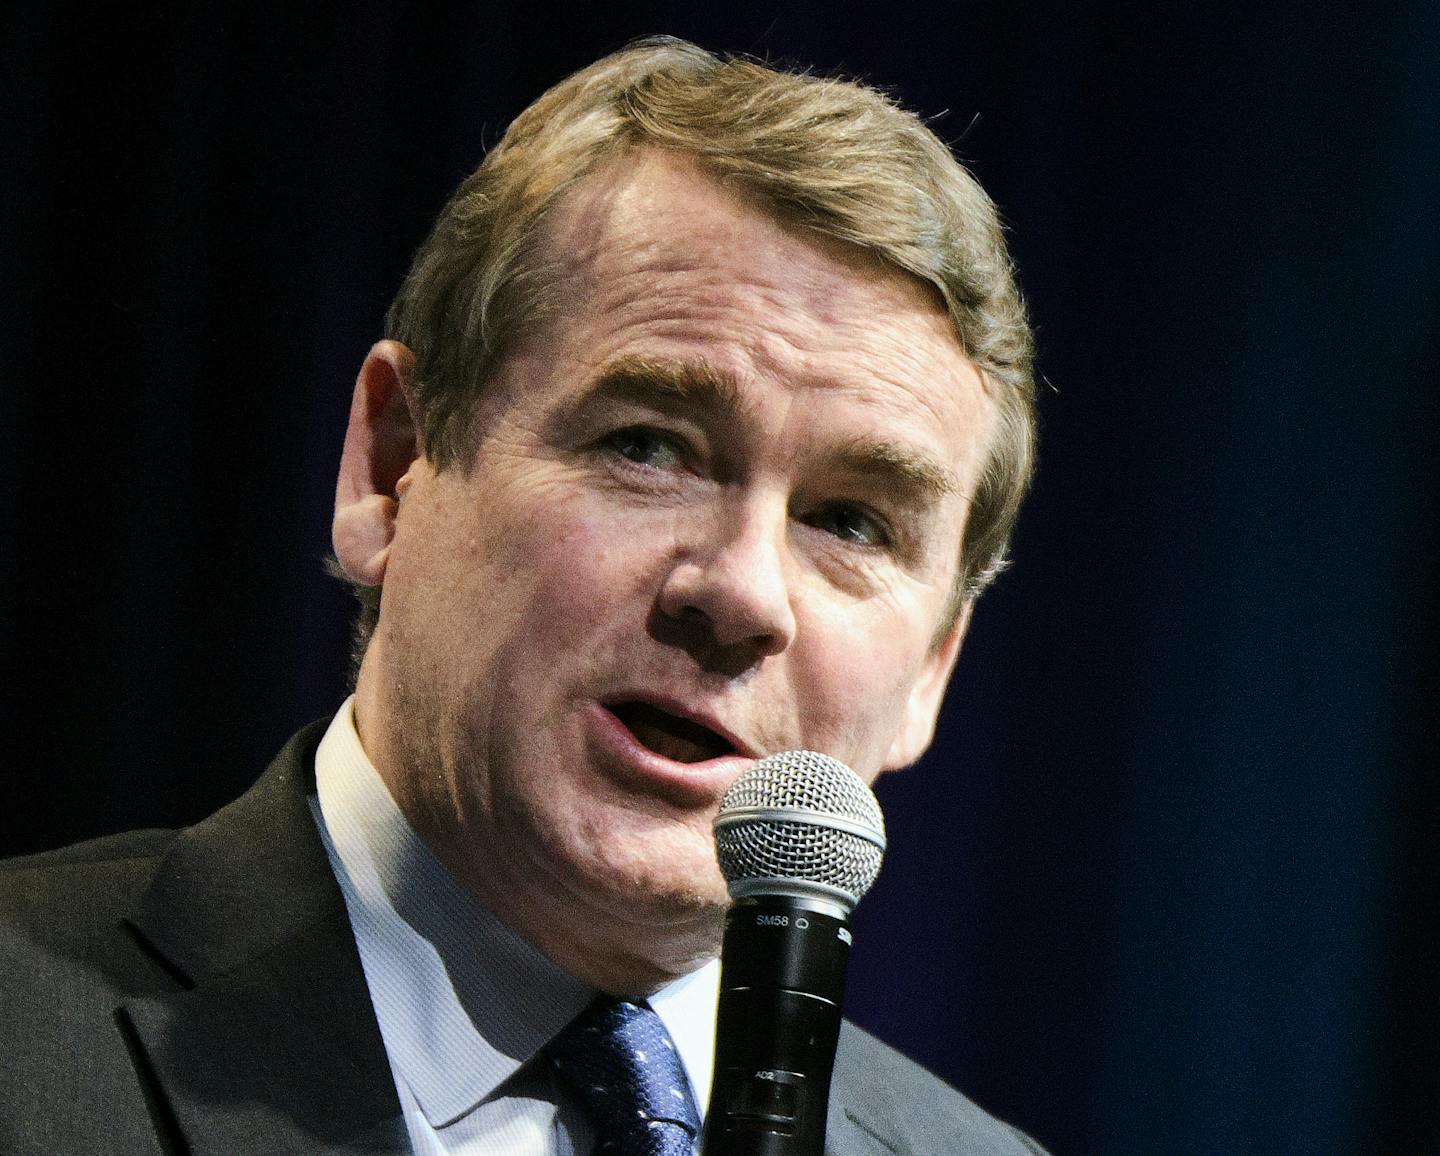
(619, 1059)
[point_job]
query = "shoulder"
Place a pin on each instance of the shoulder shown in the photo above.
(68, 961)
(64, 943)
(910, 1110)
(68, 882)
(92, 884)
(111, 849)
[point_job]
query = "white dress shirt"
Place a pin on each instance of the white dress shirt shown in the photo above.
(464, 1004)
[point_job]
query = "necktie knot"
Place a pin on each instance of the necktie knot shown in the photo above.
(621, 1063)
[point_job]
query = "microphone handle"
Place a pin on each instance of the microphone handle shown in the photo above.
(782, 981)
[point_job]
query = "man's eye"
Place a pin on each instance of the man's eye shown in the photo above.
(851, 524)
(645, 447)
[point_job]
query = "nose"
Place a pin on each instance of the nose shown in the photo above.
(729, 581)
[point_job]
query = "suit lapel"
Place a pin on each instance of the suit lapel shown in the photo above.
(845, 1135)
(267, 1042)
(851, 1126)
(271, 1045)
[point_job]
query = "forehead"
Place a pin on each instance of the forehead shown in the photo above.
(652, 256)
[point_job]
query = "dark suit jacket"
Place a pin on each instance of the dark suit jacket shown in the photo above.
(199, 991)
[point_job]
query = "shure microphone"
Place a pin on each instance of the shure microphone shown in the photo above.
(799, 838)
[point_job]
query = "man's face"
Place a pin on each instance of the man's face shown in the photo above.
(714, 511)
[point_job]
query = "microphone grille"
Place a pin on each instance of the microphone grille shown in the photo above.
(800, 822)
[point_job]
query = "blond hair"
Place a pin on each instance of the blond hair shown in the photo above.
(825, 154)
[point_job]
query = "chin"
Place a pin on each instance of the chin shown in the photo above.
(666, 876)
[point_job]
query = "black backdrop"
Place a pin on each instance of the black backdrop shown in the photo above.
(1166, 883)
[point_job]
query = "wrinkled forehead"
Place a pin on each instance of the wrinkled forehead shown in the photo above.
(652, 253)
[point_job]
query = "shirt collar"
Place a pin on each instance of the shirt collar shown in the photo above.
(462, 1001)
(688, 1007)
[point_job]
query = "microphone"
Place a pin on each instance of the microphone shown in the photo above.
(799, 838)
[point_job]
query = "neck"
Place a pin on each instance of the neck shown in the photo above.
(627, 947)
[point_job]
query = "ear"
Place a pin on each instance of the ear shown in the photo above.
(923, 707)
(380, 447)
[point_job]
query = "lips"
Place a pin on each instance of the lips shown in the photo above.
(670, 735)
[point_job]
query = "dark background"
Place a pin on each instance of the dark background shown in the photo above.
(1167, 882)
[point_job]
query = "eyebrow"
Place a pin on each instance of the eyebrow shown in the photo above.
(696, 383)
(907, 472)
(899, 467)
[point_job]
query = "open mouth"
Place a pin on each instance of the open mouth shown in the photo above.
(670, 735)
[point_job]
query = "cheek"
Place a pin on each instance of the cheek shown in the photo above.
(587, 567)
(859, 677)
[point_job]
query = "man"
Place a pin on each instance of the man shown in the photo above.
(702, 419)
